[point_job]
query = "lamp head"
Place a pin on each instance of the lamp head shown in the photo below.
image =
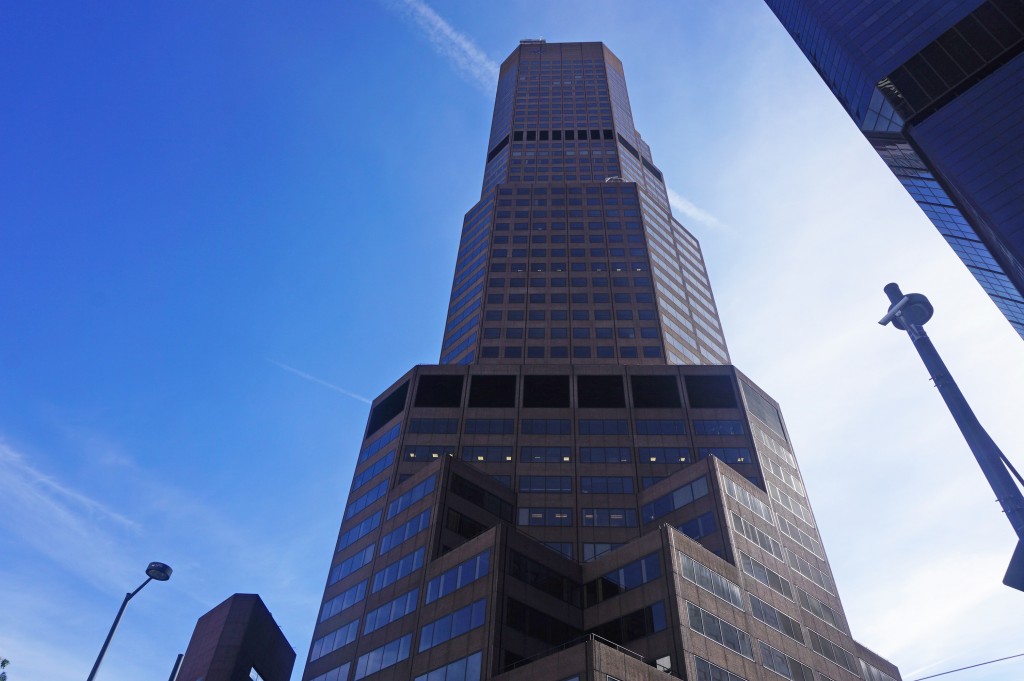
(161, 572)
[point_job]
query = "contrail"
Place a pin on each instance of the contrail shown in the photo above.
(460, 51)
(303, 374)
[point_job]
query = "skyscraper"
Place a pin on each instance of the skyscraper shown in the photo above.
(937, 88)
(583, 488)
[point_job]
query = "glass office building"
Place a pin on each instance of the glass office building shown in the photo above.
(583, 487)
(937, 88)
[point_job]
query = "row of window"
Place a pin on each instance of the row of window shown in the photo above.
(620, 580)
(773, 580)
(578, 298)
(438, 426)
(404, 532)
(338, 638)
(453, 624)
(562, 517)
(674, 500)
(464, 669)
(455, 578)
(575, 282)
(720, 631)
(776, 619)
(711, 581)
(756, 536)
(370, 473)
(578, 352)
(543, 578)
(391, 611)
(407, 499)
(578, 333)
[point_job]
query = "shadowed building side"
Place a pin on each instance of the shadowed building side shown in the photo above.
(237, 641)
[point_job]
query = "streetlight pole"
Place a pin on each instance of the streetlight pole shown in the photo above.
(909, 313)
(158, 571)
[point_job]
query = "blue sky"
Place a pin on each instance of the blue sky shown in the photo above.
(224, 226)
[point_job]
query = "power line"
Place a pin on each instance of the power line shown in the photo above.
(971, 666)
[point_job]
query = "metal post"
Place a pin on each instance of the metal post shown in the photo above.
(113, 627)
(909, 313)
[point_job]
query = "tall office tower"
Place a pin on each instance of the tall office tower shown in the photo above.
(583, 488)
(937, 87)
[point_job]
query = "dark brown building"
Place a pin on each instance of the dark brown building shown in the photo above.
(237, 641)
(584, 488)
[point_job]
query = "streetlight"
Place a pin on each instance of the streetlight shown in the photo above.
(910, 313)
(158, 571)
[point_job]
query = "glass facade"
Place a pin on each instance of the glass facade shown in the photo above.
(937, 88)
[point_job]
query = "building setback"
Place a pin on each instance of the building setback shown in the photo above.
(583, 488)
(937, 88)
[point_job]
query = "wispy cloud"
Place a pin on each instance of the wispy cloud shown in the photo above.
(314, 379)
(68, 527)
(458, 49)
(688, 209)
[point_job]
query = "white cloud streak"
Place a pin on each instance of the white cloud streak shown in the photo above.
(688, 209)
(314, 379)
(458, 49)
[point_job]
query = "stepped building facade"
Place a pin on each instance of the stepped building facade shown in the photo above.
(583, 488)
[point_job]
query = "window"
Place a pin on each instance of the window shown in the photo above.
(549, 484)
(757, 536)
(386, 656)
(718, 427)
(766, 576)
(664, 454)
(537, 624)
(434, 426)
(821, 610)
(409, 498)
(391, 611)
(637, 624)
(351, 564)
(775, 619)
(454, 624)
(544, 454)
(426, 453)
(337, 674)
(698, 527)
(478, 496)
(487, 454)
(623, 579)
(403, 567)
(596, 550)
(660, 427)
(720, 631)
(343, 601)
(603, 427)
(488, 426)
(359, 531)
(609, 517)
(711, 672)
(783, 664)
(455, 578)
(464, 669)
(404, 532)
(606, 485)
(338, 638)
(541, 516)
(727, 454)
(543, 578)
(749, 500)
(360, 503)
(605, 455)
(370, 473)
(545, 427)
(709, 580)
(674, 500)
